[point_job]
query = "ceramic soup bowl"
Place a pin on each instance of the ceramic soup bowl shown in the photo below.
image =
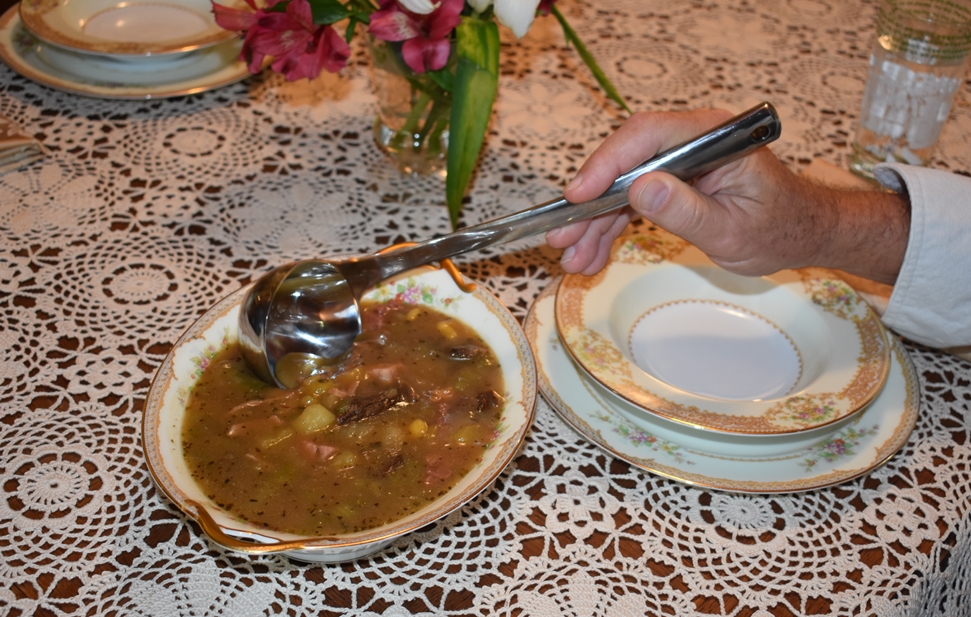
(166, 406)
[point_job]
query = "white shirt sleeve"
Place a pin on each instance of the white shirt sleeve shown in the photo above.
(931, 300)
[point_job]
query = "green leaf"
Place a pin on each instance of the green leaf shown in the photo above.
(328, 11)
(351, 26)
(444, 78)
(474, 93)
(589, 60)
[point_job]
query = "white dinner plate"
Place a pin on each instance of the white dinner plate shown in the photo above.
(106, 77)
(735, 463)
(665, 329)
(125, 27)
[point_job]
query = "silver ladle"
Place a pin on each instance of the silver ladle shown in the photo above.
(311, 307)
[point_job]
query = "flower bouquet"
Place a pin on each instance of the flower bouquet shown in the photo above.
(444, 52)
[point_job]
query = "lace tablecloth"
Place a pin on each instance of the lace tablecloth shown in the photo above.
(146, 213)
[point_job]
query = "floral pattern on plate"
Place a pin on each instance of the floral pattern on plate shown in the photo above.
(413, 291)
(649, 248)
(834, 296)
(844, 444)
(640, 438)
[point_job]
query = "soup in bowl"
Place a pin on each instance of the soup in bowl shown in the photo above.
(420, 417)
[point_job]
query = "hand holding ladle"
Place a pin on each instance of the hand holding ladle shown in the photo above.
(311, 307)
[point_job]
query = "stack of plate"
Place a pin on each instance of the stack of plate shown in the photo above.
(121, 49)
(757, 385)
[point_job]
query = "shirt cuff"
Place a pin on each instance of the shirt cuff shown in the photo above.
(931, 299)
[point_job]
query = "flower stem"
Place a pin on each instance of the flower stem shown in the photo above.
(435, 123)
(406, 134)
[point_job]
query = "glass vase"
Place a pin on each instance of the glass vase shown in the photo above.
(413, 112)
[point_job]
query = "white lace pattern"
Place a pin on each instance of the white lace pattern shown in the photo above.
(148, 212)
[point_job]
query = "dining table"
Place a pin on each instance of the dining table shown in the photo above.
(145, 212)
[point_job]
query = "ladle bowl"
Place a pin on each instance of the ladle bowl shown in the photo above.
(308, 310)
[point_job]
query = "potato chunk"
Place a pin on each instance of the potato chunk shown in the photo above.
(314, 418)
(446, 329)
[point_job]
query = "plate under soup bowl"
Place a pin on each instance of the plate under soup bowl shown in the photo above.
(166, 414)
(668, 331)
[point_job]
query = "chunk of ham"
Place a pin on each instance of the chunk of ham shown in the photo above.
(315, 452)
(373, 318)
(384, 374)
(345, 391)
(439, 466)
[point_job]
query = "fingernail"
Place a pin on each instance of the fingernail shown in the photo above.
(574, 183)
(652, 196)
(568, 254)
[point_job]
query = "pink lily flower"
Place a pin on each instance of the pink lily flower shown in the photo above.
(300, 49)
(545, 7)
(426, 46)
(237, 20)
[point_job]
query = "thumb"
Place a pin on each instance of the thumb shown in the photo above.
(671, 204)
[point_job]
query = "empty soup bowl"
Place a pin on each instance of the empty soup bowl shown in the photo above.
(668, 331)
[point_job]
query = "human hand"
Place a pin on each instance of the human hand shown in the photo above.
(752, 216)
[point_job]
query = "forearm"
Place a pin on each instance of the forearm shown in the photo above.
(869, 234)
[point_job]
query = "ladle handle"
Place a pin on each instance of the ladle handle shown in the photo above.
(735, 138)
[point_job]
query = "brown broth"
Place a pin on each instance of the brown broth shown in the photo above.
(410, 411)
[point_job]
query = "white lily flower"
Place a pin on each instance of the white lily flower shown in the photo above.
(479, 5)
(421, 7)
(517, 15)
